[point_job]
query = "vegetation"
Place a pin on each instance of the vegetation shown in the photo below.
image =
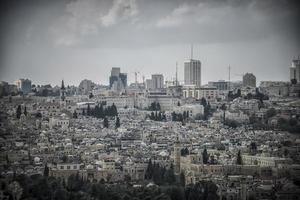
(118, 122)
(155, 106)
(160, 175)
(158, 116)
(19, 111)
(205, 156)
(75, 188)
(239, 158)
(184, 151)
(105, 122)
(291, 125)
(100, 112)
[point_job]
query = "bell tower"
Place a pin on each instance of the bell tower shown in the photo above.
(62, 91)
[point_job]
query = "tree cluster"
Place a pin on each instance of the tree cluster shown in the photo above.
(184, 151)
(291, 125)
(207, 108)
(232, 95)
(160, 175)
(50, 188)
(155, 106)
(100, 111)
(158, 116)
(19, 111)
(180, 117)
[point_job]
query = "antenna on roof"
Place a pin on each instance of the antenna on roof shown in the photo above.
(191, 51)
(176, 81)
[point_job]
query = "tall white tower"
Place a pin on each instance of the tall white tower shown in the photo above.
(192, 71)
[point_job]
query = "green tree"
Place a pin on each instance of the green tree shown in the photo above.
(105, 122)
(270, 113)
(75, 116)
(205, 156)
(239, 158)
(88, 112)
(182, 179)
(25, 111)
(46, 170)
(118, 122)
(19, 111)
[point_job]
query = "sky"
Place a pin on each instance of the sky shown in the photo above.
(50, 40)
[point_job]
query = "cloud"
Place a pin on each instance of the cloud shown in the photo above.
(121, 9)
(85, 18)
(176, 17)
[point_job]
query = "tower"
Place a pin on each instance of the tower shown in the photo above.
(62, 91)
(192, 71)
(177, 155)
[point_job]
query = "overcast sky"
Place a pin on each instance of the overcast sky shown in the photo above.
(47, 40)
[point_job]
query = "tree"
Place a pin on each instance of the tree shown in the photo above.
(205, 156)
(223, 107)
(203, 102)
(91, 95)
(149, 170)
(75, 114)
(294, 81)
(25, 111)
(270, 113)
(157, 106)
(239, 158)
(182, 179)
(152, 117)
(118, 122)
(105, 122)
(88, 112)
(19, 111)
(46, 170)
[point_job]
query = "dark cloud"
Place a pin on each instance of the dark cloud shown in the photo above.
(39, 34)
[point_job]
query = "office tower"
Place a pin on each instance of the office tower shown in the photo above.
(157, 81)
(295, 70)
(249, 80)
(192, 72)
(117, 80)
(24, 85)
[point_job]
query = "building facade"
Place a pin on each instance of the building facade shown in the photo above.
(192, 72)
(295, 70)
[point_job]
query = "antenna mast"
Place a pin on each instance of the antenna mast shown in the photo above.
(191, 51)
(229, 77)
(176, 80)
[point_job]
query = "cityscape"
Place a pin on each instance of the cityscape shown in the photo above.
(178, 135)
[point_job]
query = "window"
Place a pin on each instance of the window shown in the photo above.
(61, 167)
(74, 167)
(68, 167)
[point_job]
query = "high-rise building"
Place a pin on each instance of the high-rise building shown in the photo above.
(249, 80)
(157, 81)
(295, 70)
(24, 85)
(117, 80)
(192, 72)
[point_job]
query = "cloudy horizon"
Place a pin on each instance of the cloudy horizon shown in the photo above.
(47, 41)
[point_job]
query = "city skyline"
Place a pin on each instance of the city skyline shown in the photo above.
(85, 39)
